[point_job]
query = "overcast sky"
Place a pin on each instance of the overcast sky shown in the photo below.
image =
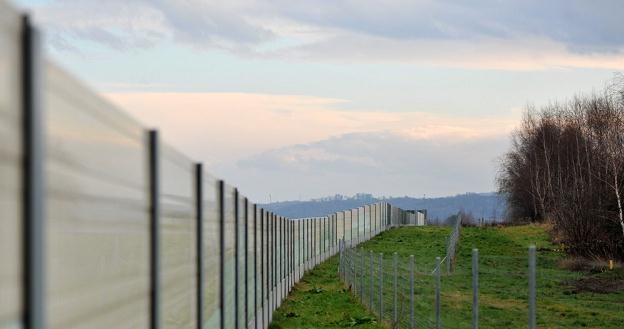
(300, 99)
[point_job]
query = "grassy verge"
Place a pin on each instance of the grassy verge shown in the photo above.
(503, 279)
(319, 300)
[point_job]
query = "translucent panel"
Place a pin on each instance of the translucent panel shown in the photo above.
(272, 271)
(97, 216)
(368, 221)
(333, 231)
(286, 256)
(340, 225)
(284, 248)
(362, 227)
(258, 263)
(265, 260)
(178, 240)
(251, 295)
(270, 259)
(374, 218)
(280, 251)
(378, 216)
(10, 168)
(229, 262)
(296, 242)
(308, 241)
(347, 225)
(355, 224)
(288, 247)
(317, 236)
(322, 235)
(326, 234)
(211, 247)
(242, 237)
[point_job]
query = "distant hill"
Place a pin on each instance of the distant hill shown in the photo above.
(490, 206)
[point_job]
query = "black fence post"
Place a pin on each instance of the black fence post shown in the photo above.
(246, 258)
(199, 213)
(154, 185)
(221, 200)
(236, 251)
(33, 180)
(255, 227)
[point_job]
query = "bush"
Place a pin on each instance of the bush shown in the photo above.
(566, 166)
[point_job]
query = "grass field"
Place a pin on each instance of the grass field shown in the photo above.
(565, 300)
(319, 300)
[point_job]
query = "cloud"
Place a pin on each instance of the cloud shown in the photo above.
(477, 34)
(382, 163)
(507, 54)
(290, 141)
(580, 25)
(142, 24)
(237, 124)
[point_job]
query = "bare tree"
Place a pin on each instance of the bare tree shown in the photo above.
(566, 166)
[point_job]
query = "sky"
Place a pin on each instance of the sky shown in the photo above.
(301, 99)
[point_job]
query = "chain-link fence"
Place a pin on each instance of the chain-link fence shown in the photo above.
(403, 294)
(487, 291)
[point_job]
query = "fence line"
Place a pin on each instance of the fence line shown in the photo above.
(106, 226)
(404, 296)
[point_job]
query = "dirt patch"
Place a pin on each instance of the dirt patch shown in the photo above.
(601, 285)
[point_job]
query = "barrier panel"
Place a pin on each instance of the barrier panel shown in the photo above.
(211, 247)
(97, 226)
(229, 260)
(10, 168)
(178, 244)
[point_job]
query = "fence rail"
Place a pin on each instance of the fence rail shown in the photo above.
(104, 225)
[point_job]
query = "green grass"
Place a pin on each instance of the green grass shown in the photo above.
(319, 300)
(503, 279)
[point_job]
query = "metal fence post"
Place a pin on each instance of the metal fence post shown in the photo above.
(475, 288)
(353, 266)
(411, 260)
(532, 287)
(362, 276)
(199, 243)
(341, 266)
(33, 178)
(236, 260)
(437, 293)
(372, 282)
(221, 258)
(395, 266)
(155, 275)
(381, 305)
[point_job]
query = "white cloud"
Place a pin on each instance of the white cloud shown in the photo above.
(237, 124)
(312, 142)
(483, 53)
(476, 34)
(382, 163)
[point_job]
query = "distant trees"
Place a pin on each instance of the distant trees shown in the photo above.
(566, 165)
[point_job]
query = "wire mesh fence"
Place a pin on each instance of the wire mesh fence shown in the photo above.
(517, 290)
(403, 294)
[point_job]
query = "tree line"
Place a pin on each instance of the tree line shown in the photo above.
(566, 167)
